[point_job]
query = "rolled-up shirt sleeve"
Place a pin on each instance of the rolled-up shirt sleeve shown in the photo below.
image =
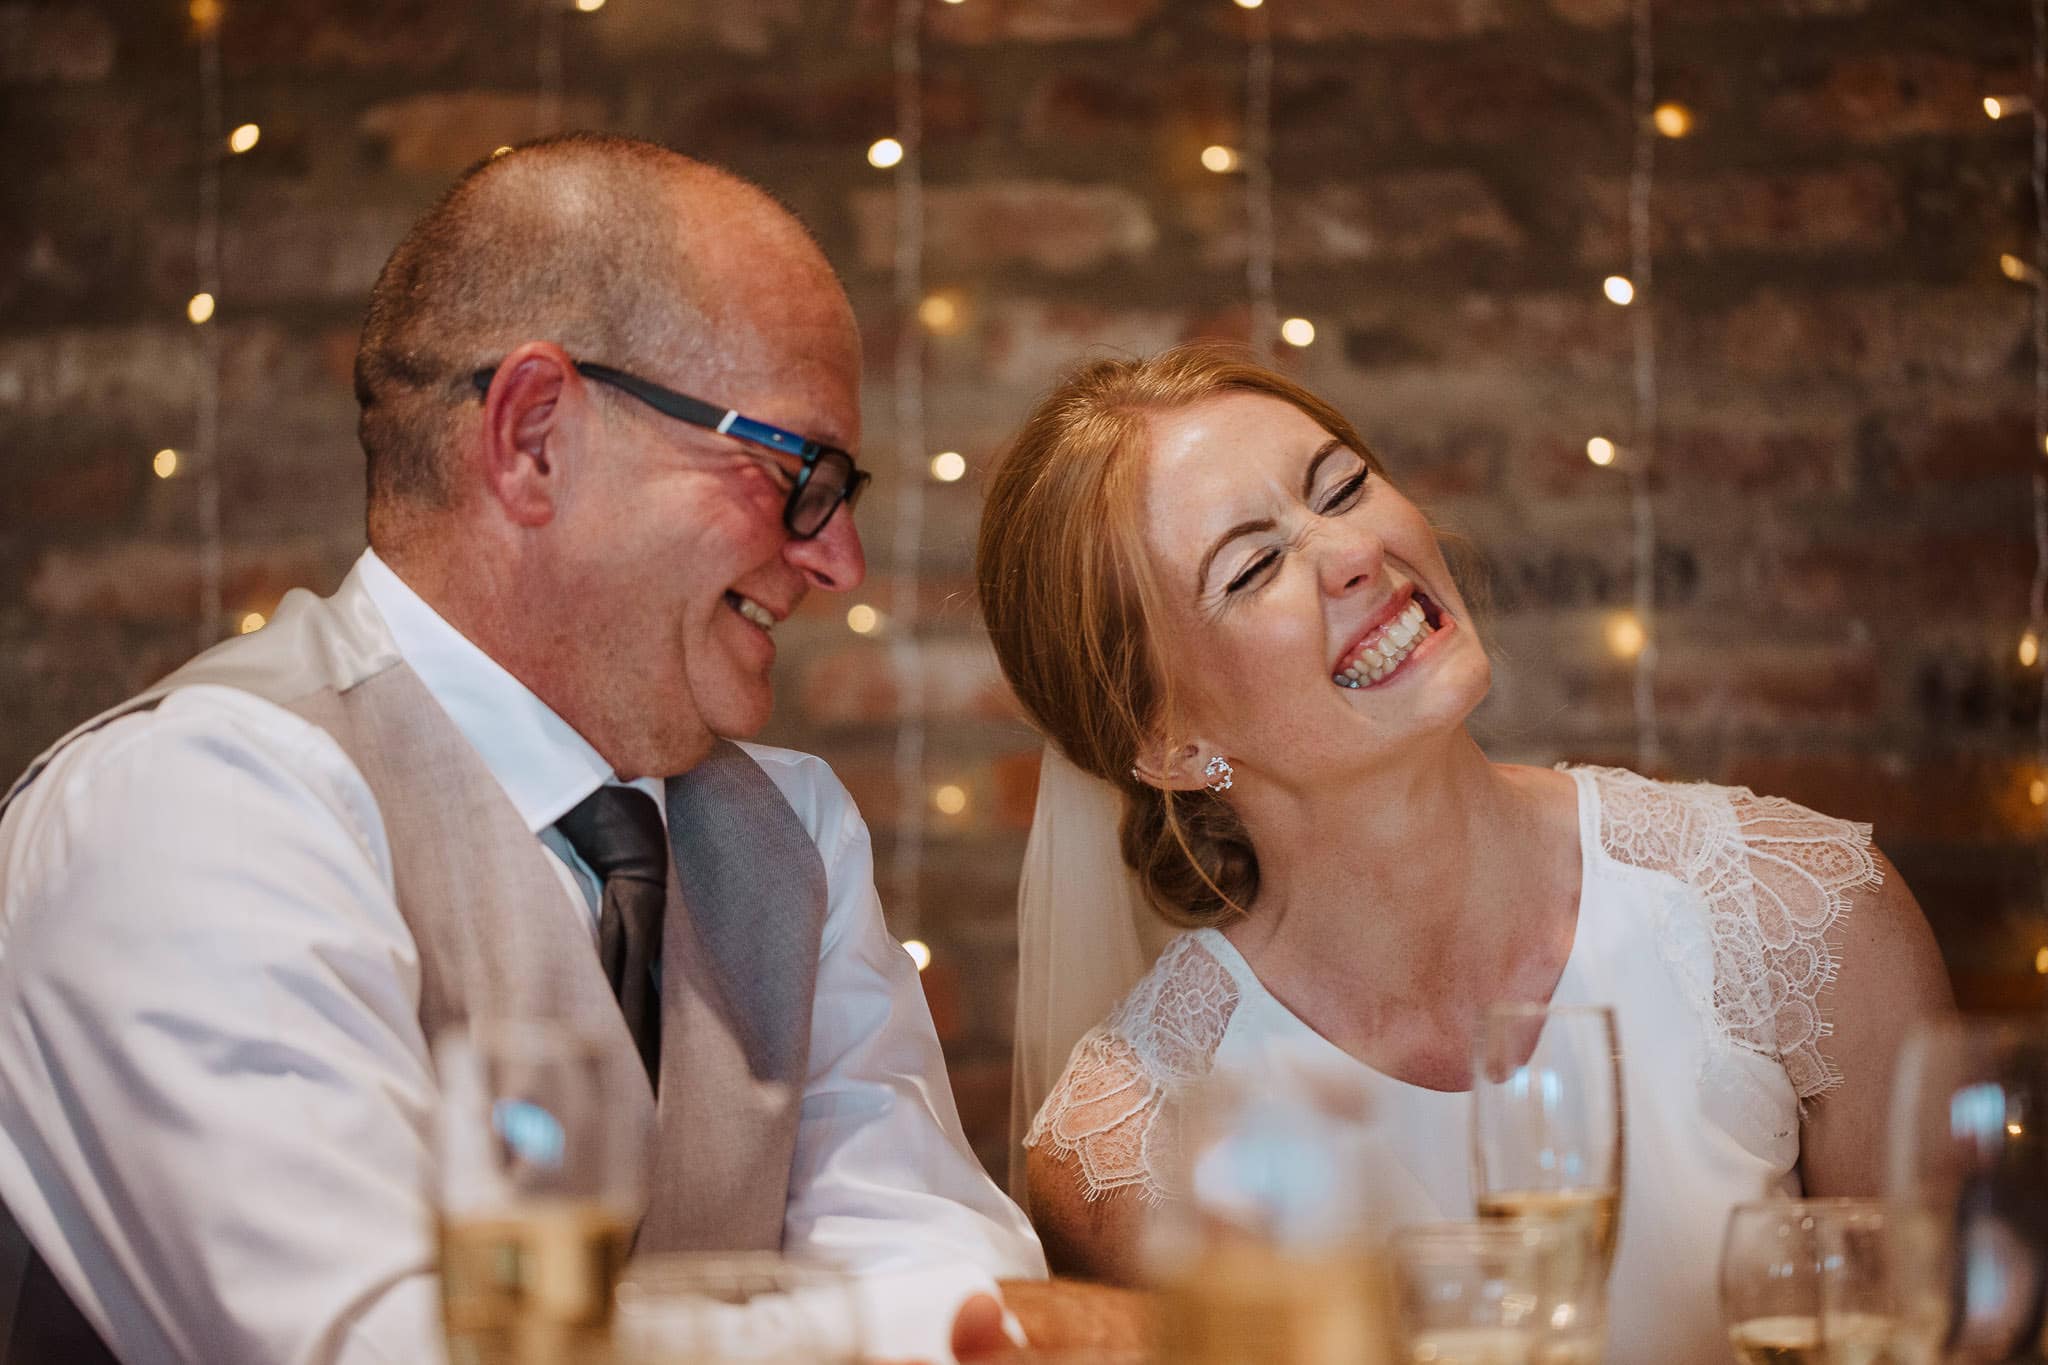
(215, 1094)
(884, 1179)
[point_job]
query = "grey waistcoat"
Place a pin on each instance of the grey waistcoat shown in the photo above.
(746, 911)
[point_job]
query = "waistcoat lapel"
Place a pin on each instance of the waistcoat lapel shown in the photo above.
(747, 902)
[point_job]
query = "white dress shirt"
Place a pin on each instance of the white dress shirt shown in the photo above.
(215, 1094)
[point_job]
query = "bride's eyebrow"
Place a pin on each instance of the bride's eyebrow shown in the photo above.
(1315, 462)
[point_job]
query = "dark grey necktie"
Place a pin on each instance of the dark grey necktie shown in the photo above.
(618, 831)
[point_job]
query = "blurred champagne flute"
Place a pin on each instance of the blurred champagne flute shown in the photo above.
(1809, 1282)
(1547, 1145)
(541, 1179)
(1968, 1182)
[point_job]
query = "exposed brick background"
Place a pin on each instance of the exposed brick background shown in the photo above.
(1846, 375)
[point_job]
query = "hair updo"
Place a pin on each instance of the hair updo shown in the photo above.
(1072, 603)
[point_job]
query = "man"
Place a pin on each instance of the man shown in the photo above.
(237, 910)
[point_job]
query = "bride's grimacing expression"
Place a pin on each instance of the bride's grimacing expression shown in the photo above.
(1289, 567)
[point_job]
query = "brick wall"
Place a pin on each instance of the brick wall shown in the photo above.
(1847, 375)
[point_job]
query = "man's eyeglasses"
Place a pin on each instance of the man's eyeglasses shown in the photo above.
(826, 478)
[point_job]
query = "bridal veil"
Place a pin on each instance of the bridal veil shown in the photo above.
(1085, 934)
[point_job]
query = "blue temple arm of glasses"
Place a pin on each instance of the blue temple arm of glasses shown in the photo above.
(760, 433)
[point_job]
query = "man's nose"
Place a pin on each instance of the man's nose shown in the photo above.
(833, 558)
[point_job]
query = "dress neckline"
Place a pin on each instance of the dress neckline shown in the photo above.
(1250, 988)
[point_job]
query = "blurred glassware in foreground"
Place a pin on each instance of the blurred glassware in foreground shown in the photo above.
(1547, 1144)
(1477, 1293)
(1809, 1280)
(1968, 1180)
(541, 1176)
(1270, 1247)
(736, 1309)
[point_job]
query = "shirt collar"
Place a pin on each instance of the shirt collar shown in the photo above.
(544, 766)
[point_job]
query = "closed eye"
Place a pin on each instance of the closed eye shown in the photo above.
(1253, 571)
(1346, 494)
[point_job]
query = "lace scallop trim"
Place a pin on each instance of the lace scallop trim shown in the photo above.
(1774, 877)
(1109, 1113)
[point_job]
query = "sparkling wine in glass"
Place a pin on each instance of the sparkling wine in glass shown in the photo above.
(1270, 1248)
(1968, 1181)
(1810, 1282)
(542, 1146)
(1547, 1146)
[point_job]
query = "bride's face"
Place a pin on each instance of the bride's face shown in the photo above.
(1314, 625)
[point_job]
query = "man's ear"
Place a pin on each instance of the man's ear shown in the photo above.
(1174, 767)
(537, 408)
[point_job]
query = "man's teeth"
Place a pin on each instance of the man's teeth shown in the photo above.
(754, 612)
(1387, 648)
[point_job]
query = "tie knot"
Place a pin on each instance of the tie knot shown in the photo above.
(618, 831)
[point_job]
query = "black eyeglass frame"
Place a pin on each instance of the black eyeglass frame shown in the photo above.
(728, 422)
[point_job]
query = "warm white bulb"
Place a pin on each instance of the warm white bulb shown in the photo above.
(1672, 119)
(919, 951)
(199, 308)
(941, 312)
(1600, 451)
(2041, 962)
(950, 799)
(166, 463)
(884, 153)
(949, 466)
(1625, 635)
(1219, 159)
(863, 619)
(1250, 4)
(1993, 108)
(2014, 268)
(1618, 290)
(251, 622)
(590, 6)
(2030, 649)
(1297, 331)
(244, 138)
(2037, 792)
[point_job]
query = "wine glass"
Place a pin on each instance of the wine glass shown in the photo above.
(1474, 1293)
(1809, 1280)
(749, 1308)
(1270, 1246)
(1547, 1145)
(542, 1143)
(1968, 1177)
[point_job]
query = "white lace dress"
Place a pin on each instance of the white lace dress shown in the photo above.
(1704, 920)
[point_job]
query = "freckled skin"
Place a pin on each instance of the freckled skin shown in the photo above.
(1258, 661)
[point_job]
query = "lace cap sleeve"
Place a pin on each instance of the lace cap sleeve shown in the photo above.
(1774, 877)
(1110, 1113)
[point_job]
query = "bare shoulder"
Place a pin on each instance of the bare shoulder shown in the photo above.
(1087, 1233)
(1888, 977)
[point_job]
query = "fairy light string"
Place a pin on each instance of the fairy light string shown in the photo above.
(1257, 161)
(1643, 338)
(905, 649)
(207, 17)
(2037, 602)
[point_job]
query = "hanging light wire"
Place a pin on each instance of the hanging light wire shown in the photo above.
(207, 272)
(548, 68)
(1258, 182)
(2037, 602)
(1643, 337)
(905, 649)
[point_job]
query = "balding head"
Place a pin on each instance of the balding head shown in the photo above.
(619, 251)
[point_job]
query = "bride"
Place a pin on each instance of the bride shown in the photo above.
(1244, 645)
